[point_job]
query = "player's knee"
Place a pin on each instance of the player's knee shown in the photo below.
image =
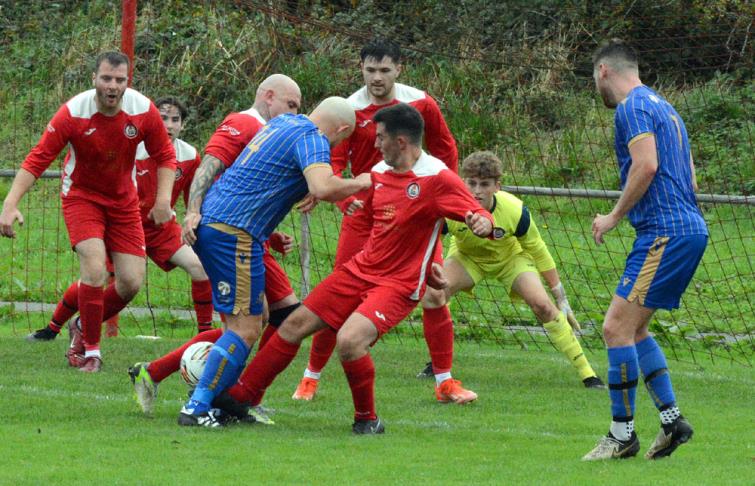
(351, 345)
(195, 270)
(612, 330)
(544, 310)
(433, 298)
(296, 326)
(129, 284)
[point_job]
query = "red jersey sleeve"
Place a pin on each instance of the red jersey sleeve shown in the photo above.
(52, 141)
(339, 159)
(440, 142)
(190, 178)
(156, 140)
(453, 199)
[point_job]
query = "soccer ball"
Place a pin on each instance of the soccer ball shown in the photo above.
(193, 362)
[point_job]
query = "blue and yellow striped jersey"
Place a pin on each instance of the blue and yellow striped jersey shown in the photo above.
(669, 207)
(267, 178)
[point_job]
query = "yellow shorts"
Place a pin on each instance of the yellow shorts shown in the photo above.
(505, 271)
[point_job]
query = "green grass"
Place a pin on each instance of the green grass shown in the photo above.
(531, 425)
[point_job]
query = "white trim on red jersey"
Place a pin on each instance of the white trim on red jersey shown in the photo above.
(254, 114)
(429, 250)
(83, 105)
(184, 151)
(68, 170)
(426, 165)
(405, 94)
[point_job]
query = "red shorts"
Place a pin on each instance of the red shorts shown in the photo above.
(120, 228)
(277, 285)
(163, 242)
(342, 293)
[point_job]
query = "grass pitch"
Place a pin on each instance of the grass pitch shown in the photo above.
(531, 425)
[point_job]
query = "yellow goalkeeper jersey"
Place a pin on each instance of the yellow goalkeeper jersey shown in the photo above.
(520, 234)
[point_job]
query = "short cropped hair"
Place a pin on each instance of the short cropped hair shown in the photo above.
(114, 58)
(380, 47)
(402, 119)
(173, 101)
(617, 54)
(483, 165)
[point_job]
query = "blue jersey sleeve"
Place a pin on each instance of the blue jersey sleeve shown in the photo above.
(635, 119)
(312, 149)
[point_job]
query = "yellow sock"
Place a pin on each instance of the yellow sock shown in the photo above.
(565, 341)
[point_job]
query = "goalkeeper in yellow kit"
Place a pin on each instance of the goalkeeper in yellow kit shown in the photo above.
(516, 257)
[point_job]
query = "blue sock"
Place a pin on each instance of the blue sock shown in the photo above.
(623, 371)
(224, 365)
(655, 370)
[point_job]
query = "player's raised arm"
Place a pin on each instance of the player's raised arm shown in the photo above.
(454, 201)
(326, 186)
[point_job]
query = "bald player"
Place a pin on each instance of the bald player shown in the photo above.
(288, 158)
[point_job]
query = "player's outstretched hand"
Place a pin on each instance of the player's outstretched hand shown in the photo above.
(307, 204)
(281, 242)
(7, 218)
(563, 304)
(602, 224)
(354, 206)
(437, 278)
(161, 213)
(191, 221)
(480, 225)
(365, 180)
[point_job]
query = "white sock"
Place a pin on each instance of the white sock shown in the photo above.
(441, 377)
(622, 430)
(311, 374)
(669, 415)
(93, 352)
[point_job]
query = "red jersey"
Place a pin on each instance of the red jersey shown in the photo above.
(187, 161)
(99, 165)
(233, 134)
(407, 211)
(359, 149)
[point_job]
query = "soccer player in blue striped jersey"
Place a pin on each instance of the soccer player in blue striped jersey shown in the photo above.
(287, 159)
(658, 196)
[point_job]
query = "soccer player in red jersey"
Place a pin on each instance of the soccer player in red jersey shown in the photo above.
(381, 65)
(163, 242)
(410, 195)
(276, 95)
(102, 128)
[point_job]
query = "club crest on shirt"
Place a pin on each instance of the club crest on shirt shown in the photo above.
(179, 173)
(498, 233)
(130, 131)
(412, 190)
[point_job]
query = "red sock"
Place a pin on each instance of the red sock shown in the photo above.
(361, 375)
(323, 344)
(201, 294)
(260, 373)
(168, 364)
(439, 334)
(266, 335)
(90, 312)
(66, 308)
(112, 302)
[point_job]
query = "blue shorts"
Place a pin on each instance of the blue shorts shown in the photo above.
(233, 261)
(659, 268)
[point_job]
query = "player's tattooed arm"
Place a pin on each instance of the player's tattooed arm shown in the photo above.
(205, 175)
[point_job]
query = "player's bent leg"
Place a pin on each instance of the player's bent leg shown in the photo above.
(93, 274)
(353, 344)
(530, 288)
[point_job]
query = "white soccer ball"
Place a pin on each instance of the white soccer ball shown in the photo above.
(193, 362)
